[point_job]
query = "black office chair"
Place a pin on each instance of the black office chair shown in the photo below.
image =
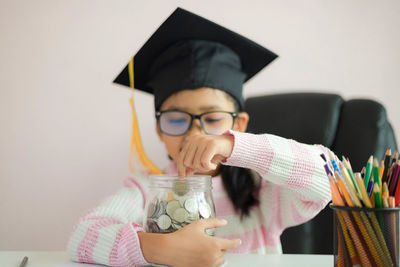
(355, 128)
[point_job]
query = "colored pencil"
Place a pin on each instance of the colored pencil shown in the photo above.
(388, 155)
(393, 180)
(334, 162)
(368, 170)
(366, 237)
(375, 173)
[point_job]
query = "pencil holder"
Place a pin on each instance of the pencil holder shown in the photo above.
(365, 236)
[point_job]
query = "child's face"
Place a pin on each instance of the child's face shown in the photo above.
(197, 102)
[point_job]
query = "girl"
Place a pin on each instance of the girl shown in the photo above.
(262, 184)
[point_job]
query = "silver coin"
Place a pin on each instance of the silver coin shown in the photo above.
(172, 206)
(164, 222)
(210, 232)
(161, 207)
(191, 205)
(152, 208)
(182, 200)
(180, 215)
(176, 226)
(180, 187)
(205, 210)
(192, 217)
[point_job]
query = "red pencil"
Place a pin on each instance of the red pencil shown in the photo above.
(393, 179)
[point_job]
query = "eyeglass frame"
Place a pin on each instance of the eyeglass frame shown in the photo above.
(193, 117)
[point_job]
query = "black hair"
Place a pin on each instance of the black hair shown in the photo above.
(241, 184)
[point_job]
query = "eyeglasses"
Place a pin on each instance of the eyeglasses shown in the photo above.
(176, 122)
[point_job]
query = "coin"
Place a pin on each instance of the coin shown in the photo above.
(182, 200)
(180, 215)
(210, 231)
(172, 206)
(192, 217)
(191, 205)
(205, 210)
(181, 187)
(152, 227)
(164, 222)
(166, 215)
(152, 208)
(176, 226)
(161, 208)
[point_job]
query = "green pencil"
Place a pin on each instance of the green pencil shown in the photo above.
(375, 173)
(378, 204)
(347, 164)
(368, 170)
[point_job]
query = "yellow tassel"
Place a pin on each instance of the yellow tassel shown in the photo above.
(135, 137)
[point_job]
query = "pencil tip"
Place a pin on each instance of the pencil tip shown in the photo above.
(376, 188)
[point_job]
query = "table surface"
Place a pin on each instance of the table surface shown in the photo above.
(60, 259)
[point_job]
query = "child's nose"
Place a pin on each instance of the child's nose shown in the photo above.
(195, 128)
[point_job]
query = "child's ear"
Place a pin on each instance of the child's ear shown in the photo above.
(241, 122)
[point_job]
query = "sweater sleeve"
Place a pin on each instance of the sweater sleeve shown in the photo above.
(294, 183)
(108, 234)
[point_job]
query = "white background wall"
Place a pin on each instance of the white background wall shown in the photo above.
(65, 128)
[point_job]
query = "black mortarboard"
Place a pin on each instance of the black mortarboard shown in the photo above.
(188, 52)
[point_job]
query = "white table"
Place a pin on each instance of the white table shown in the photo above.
(60, 259)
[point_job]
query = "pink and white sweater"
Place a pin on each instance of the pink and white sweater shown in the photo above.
(294, 188)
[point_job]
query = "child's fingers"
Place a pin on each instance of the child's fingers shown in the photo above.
(189, 155)
(197, 159)
(181, 157)
(189, 172)
(207, 156)
(226, 244)
(220, 261)
(210, 223)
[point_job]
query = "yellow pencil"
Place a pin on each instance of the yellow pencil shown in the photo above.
(365, 198)
(385, 190)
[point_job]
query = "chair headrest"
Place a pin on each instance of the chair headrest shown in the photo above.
(310, 118)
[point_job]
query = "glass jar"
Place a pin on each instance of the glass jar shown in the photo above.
(174, 202)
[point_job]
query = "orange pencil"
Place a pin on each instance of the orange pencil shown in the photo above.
(343, 190)
(381, 169)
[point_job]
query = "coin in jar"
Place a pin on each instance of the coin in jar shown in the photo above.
(172, 206)
(180, 215)
(205, 210)
(191, 205)
(181, 187)
(164, 222)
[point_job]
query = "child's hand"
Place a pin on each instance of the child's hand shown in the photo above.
(202, 153)
(190, 246)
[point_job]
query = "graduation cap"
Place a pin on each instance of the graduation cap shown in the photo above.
(189, 52)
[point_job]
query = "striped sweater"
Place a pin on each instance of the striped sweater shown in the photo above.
(294, 188)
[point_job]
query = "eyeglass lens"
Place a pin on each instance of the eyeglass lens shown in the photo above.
(177, 123)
